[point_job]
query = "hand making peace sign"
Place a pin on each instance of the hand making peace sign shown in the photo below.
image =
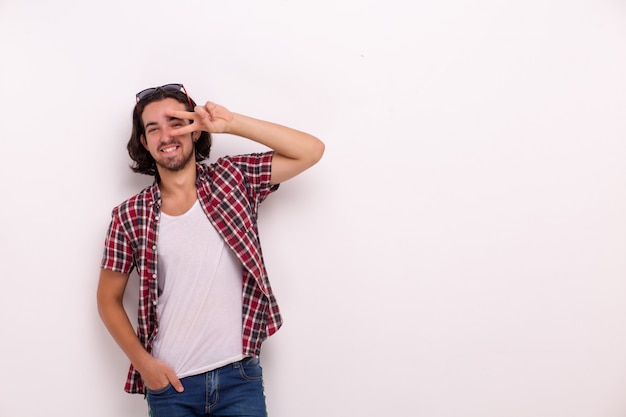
(211, 117)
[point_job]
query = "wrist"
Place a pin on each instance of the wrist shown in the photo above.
(234, 126)
(142, 360)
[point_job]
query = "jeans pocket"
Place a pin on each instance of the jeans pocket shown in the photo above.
(250, 369)
(160, 390)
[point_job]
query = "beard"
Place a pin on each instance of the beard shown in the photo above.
(176, 162)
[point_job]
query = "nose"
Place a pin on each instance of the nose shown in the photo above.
(167, 133)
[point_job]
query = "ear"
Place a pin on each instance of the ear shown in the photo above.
(195, 136)
(142, 139)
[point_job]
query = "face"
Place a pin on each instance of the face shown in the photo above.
(171, 152)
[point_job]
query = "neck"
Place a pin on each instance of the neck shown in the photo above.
(178, 189)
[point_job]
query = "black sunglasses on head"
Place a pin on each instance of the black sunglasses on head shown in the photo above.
(168, 88)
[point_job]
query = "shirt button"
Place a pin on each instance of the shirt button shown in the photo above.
(153, 275)
(153, 247)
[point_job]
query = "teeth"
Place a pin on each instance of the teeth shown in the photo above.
(169, 149)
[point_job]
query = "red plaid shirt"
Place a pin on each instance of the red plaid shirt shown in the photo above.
(230, 191)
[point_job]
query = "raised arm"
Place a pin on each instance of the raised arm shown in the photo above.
(295, 151)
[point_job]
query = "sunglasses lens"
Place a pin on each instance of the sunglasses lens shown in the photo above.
(145, 93)
(169, 88)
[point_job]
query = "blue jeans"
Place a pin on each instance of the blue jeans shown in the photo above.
(232, 390)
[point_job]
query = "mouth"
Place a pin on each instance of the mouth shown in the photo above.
(168, 149)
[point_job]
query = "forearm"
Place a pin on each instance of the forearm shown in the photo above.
(295, 151)
(155, 374)
(288, 142)
(119, 326)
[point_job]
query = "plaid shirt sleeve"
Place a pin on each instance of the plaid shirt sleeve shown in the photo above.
(118, 254)
(257, 171)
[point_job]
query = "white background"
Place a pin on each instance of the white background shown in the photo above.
(459, 250)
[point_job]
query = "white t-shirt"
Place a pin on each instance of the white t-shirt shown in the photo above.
(199, 306)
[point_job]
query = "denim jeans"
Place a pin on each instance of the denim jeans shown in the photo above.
(232, 390)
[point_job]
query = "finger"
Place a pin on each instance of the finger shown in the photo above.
(190, 128)
(182, 114)
(178, 386)
(206, 112)
(210, 109)
(202, 112)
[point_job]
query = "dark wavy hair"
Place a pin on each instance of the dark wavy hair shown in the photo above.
(143, 162)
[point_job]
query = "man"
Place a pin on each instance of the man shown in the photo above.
(205, 302)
